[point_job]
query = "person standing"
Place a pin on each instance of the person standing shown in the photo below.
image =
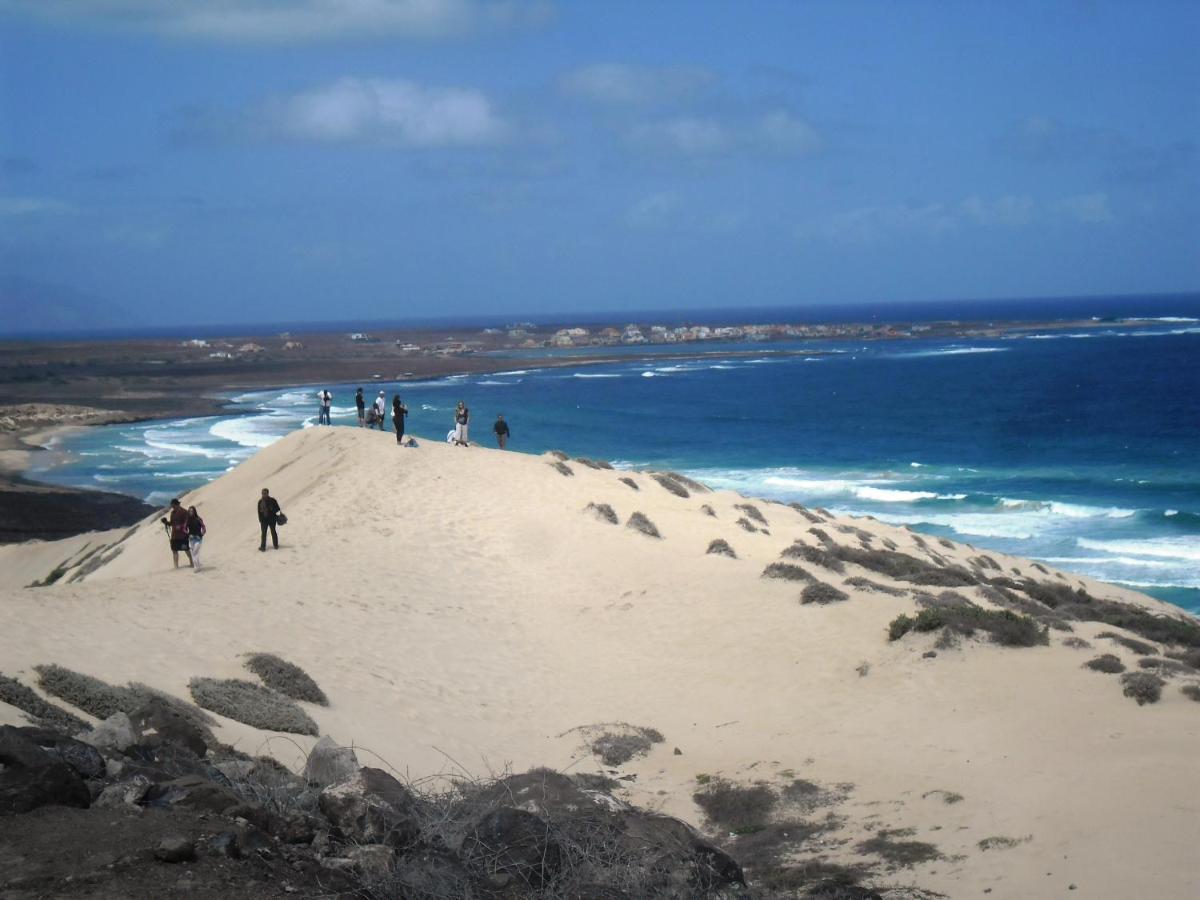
(326, 399)
(381, 409)
(501, 429)
(175, 521)
(462, 418)
(195, 530)
(361, 403)
(399, 411)
(268, 517)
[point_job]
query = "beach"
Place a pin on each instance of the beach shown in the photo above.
(465, 609)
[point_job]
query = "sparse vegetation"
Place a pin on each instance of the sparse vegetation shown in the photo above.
(24, 698)
(708, 510)
(818, 556)
(1191, 691)
(286, 678)
(618, 746)
(945, 543)
(948, 797)
(1106, 663)
(820, 592)
(639, 522)
(812, 517)
(603, 511)
(999, 842)
(900, 853)
(903, 567)
(722, 548)
(822, 536)
(1189, 658)
(562, 468)
(866, 584)
(1139, 647)
(671, 483)
(752, 512)
(93, 696)
(251, 704)
(736, 808)
(786, 571)
(1076, 643)
(1142, 687)
(625, 479)
(745, 524)
(558, 454)
(593, 463)
(1003, 627)
(1165, 668)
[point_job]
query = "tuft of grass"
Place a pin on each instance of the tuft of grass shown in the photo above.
(820, 592)
(745, 524)
(866, 584)
(1076, 643)
(752, 512)
(822, 536)
(1003, 627)
(1142, 687)
(287, 678)
(593, 463)
(948, 797)
(93, 696)
(786, 571)
(722, 548)
(903, 567)
(562, 468)
(900, 626)
(1106, 663)
(251, 704)
(708, 510)
(1000, 842)
(603, 511)
(815, 555)
(1191, 691)
(617, 747)
(740, 809)
(16, 694)
(639, 522)
(900, 853)
(671, 483)
(945, 543)
(558, 454)
(812, 517)
(1141, 648)
(625, 479)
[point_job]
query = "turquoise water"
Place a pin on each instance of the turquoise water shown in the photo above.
(1076, 448)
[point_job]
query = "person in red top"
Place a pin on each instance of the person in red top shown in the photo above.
(176, 523)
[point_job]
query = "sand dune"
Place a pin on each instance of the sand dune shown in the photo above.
(462, 607)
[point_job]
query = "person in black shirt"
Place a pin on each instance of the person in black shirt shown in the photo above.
(501, 429)
(399, 411)
(361, 403)
(268, 516)
(176, 523)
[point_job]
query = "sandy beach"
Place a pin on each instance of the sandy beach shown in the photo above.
(464, 609)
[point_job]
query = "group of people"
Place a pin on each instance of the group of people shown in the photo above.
(375, 415)
(186, 529)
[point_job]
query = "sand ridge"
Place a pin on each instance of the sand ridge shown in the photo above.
(462, 607)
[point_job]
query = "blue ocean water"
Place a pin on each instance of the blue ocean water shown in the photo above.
(1075, 448)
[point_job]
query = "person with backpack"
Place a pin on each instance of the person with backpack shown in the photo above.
(175, 522)
(361, 404)
(381, 409)
(269, 515)
(501, 429)
(399, 411)
(195, 531)
(326, 399)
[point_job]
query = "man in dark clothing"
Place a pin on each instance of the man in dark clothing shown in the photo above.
(268, 516)
(176, 522)
(501, 429)
(361, 403)
(399, 411)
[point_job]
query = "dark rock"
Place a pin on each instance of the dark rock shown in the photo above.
(159, 723)
(514, 842)
(83, 758)
(372, 807)
(193, 792)
(124, 794)
(929, 654)
(225, 844)
(685, 857)
(329, 763)
(31, 777)
(252, 841)
(295, 828)
(175, 849)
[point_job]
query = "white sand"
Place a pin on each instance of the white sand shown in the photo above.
(459, 607)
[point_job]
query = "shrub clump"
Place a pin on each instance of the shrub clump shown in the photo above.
(1106, 663)
(603, 511)
(752, 512)
(722, 548)
(593, 463)
(562, 468)
(1076, 643)
(866, 584)
(900, 853)
(251, 704)
(903, 567)
(558, 454)
(820, 592)
(93, 696)
(672, 483)
(14, 693)
(639, 522)
(1139, 647)
(812, 517)
(1142, 687)
(708, 510)
(1191, 691)
(822, 536)
(615, 748)
(786, 571)
(815, 555)
(286, 678)
(745, 524)
(625, 479)
(736, 808)
(1003, 626)
(900, 626)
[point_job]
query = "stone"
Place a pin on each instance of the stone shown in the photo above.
(193, 792)
(83, 758)
(31, 777)
(295, 828)
(159, 723)
(124, 793)
(517, 843)
(253, 841)
(114, 733)
(175, 849)
(329, 763)
(225, 844)
(372, 807)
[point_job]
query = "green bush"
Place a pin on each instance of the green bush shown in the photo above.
(16, 694)
(1106, 663)
(93, 696)
(900, 626)
(1142, 687)
(639, 522)
(815, 555)
(786, 571)
(1003, 627)
(1139, 647)
(603, 511)
(736, 808)
(286, 678)
(820, 592)
(671, 483)
(251, 704)
(722, 548)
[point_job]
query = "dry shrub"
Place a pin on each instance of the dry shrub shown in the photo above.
(866, 584)
(1076, 643)
(1189, 658)
(618, 746)
(1003, 627)
(251, 704)
(903, 567)
(558, 454)
(286, 678)
(639, 522)
(1142, 687)
(602, 511)
(671, 483)
(736, 808)
(786, 571)
(945, 543)
(822, 536)
(625, 479)
(1191, 691)
(1139, 647)
(745, 524)
(812, 517)
(93, 696)
(1165, 668)
(16, 694)
(751, 512)
(593, 463)
(815, 555)
(1000, 842)
(889, 543)
(1106, 663)
(820, 592)
(722, 548)
(708, 510)
(899, 853)
(562, 468)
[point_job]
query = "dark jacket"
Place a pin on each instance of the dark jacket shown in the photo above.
(268, 509)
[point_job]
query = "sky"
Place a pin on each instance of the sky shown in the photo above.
(223, 161)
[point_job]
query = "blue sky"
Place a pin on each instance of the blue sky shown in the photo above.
(254, 160)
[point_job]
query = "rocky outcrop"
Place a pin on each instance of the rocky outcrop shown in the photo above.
(32, 777)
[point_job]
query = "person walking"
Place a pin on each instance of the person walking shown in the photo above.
(399, 412)
(195, 531)
(269, 515)
(462, 418)
(175, 521)
(326, 399)
(381, 409)
(501, 429)
(361, 403)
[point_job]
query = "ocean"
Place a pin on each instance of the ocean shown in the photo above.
(1077, 448)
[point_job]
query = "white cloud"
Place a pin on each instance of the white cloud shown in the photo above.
(617, 84)
(653, 209)
(683, 134)
(1087, 209)
(385, 111)
(34, 206)
(777, 131)
(286, 20)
